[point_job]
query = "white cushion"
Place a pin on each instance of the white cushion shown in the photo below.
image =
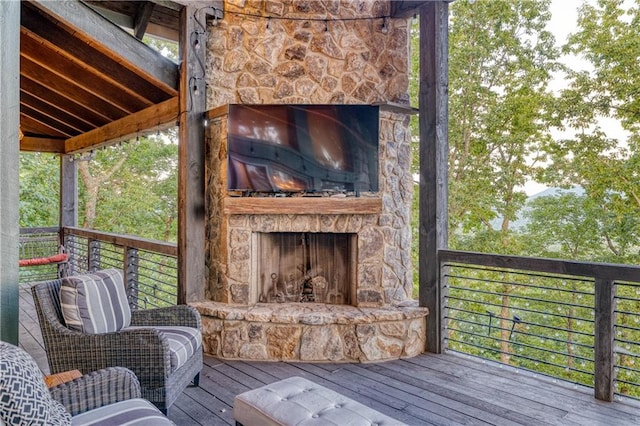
(95, 303)
(300, 402)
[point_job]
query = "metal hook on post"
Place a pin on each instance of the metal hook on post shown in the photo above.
(516, 320)
(491, 315)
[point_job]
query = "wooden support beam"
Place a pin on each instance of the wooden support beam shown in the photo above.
(95, 29)
(141, 20)
(9, 158)
(406, 8)
(68, 191)
(433, 162)
(36, 144)
(191, 154)
(164, 114)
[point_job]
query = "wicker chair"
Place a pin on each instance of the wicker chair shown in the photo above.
(111, 395)
(142, 348)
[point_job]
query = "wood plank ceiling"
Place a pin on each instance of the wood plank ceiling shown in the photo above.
(85, 82)
(73, 82)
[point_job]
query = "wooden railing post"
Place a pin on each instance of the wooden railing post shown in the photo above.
(93, 260)
(131, 275)
(604, 339)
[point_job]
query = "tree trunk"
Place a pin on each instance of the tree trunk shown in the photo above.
(92, 185)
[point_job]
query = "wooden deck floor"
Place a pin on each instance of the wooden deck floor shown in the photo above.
(426, 390)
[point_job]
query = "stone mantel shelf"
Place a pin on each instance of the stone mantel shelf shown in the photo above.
(302, 205)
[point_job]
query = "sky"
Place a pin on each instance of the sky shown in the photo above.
(564, 14)
(563, 19)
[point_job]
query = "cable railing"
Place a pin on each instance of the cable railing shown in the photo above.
(150, 267)
(575, 321)
(38, 246)
(627, 339)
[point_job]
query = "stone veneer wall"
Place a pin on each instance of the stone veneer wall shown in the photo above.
(311, 332)
(254, 60)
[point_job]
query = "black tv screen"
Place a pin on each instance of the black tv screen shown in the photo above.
(303, 148)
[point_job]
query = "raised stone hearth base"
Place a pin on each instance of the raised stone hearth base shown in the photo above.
(311, 332)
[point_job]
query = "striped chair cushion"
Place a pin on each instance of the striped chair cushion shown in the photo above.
(130, 412)
(95, 303)
(183, 343)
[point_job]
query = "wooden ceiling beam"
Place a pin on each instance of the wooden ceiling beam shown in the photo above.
(111, 41)
(59, 36)
(36, 144)
(161, 115)
(141, 20)
(163, 22)
(408, 8)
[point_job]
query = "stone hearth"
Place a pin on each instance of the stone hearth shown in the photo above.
(311, 332)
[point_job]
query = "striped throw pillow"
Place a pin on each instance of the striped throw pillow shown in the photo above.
(95, 303)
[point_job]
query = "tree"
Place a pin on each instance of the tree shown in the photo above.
(607, 168)
(39, 190)
(501, 60)
(132, 189)
(500, 63)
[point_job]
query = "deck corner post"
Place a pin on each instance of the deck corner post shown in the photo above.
(9, 156)
(434, 147)
(604, 374)
(191, 153)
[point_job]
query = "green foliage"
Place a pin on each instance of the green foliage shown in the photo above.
(501, 61)
(39, 190)
(139, 194)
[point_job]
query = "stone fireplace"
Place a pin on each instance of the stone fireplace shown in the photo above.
(326, 277)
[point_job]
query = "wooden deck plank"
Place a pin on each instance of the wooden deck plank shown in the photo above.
(29, 332)
(430, 389)
(575, 402)
(422, 409)
(479, 399)
(420, 397)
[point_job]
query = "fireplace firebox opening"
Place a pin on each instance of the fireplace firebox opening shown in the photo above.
(304, 267)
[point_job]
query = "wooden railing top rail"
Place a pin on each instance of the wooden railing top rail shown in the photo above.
(169, 249)
(600, 271)
(40, 230)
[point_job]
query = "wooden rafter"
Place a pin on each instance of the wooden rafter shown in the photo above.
(141, 20)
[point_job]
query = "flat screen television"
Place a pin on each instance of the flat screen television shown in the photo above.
(303, 148)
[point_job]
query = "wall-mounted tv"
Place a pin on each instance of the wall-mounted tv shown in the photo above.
(303, 148)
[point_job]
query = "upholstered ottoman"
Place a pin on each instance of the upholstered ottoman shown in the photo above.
(297, 401)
